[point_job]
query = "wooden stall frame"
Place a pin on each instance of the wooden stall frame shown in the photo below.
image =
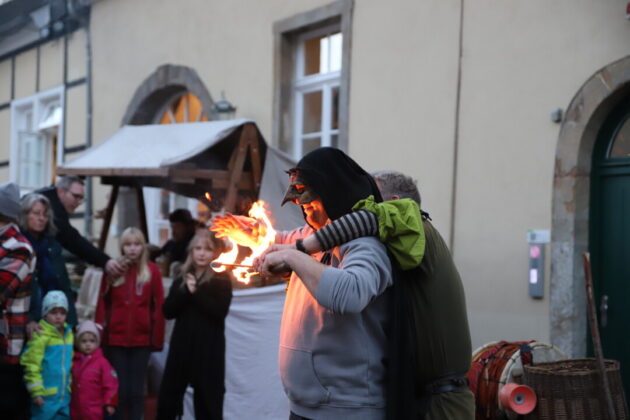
(232, 179)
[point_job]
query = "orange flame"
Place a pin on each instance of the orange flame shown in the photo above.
(265, 237)
(208, 196)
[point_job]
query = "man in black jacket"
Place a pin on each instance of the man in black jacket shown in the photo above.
(65, 197)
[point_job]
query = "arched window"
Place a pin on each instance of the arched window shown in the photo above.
(620, 144)
(186, 108)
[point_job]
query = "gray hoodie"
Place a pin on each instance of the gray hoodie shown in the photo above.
(333, 346)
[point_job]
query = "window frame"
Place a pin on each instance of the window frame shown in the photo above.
(303, 85)
(37, 104)
(288, 34)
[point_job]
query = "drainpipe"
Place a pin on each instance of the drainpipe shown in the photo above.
(456, 131)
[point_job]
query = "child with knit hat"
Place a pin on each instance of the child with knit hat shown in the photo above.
(47, 360)
(94, 381)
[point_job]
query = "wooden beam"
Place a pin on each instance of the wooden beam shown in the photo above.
(238, 157)
(254, 157)
(142, 212)
(220, 178)
(102, 241)
(113, 171)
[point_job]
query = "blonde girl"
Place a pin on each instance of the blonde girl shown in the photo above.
(130, 309)
(199, 300)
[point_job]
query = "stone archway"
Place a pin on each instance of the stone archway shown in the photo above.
(164, 84)
(572, 174)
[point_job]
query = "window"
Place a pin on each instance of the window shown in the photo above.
(316, 90)
(312, 79)
(36, 130)
(621, 143)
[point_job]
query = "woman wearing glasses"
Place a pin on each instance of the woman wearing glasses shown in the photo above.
(36, 224)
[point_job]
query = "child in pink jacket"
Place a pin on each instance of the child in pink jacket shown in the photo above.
(94, 381)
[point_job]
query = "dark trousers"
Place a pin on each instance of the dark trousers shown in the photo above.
(207, 400)
(131, 366)
(294, 416)
(14, 399)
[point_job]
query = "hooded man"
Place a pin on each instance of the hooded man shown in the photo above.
(333, 344)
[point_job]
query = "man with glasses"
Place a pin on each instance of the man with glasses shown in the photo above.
(65, 197)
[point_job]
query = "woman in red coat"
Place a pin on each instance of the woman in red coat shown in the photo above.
(130, 309)
(94, 381)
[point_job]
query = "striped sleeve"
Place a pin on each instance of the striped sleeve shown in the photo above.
(348, 227)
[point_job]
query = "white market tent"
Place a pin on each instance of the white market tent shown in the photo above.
(231, 161)
(228, 159)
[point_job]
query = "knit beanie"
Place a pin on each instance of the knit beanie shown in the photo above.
(54, 299)
(10, 200)
(88, 326)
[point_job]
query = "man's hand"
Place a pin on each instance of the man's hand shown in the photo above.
(38, 401)
(274, 257)
(243, 230)
(191, 283)
(114, 268)
(33, 327)
(110, 410)
(307, 269)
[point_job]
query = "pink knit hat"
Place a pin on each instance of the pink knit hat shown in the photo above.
(91, 327)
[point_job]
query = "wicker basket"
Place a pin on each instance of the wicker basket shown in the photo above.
(571, 390)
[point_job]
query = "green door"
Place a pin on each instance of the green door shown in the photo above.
(609, 240)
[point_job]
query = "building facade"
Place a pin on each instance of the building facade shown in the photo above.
(511, 115)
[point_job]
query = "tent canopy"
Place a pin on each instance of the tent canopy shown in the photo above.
(230, 160)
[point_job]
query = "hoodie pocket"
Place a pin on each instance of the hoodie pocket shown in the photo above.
(299, 379)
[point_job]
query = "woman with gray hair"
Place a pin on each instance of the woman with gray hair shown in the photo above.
(36, 223)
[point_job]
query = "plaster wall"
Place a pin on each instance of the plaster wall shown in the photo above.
(403, 94)
(75, 117)
(5, 81)
(520, 61)
(25, 73)
(76, 55)
(5, 137)
(51, 73)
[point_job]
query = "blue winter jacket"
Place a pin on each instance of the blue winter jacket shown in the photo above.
(47, 361)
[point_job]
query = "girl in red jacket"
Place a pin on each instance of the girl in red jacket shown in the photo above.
(94, 381)
(130, 309)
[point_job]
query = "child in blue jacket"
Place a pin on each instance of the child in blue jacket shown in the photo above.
(47, 361)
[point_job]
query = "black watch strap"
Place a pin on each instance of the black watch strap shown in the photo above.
(299, 245)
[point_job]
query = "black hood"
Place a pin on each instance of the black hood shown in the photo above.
(338, 180)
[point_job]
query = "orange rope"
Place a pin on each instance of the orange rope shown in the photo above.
(485, 374)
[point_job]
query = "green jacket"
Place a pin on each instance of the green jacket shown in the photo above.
(47, 361)
(399, 227)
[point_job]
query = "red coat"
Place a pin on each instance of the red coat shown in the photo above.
(132, 318)
(94, 385)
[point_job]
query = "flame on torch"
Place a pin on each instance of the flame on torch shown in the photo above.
(264, 237)
(208, 196)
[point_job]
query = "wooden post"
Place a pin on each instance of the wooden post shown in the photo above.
(142, 213)
(254, 156)
(102, 241)
(597, 343)
(238, 158)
